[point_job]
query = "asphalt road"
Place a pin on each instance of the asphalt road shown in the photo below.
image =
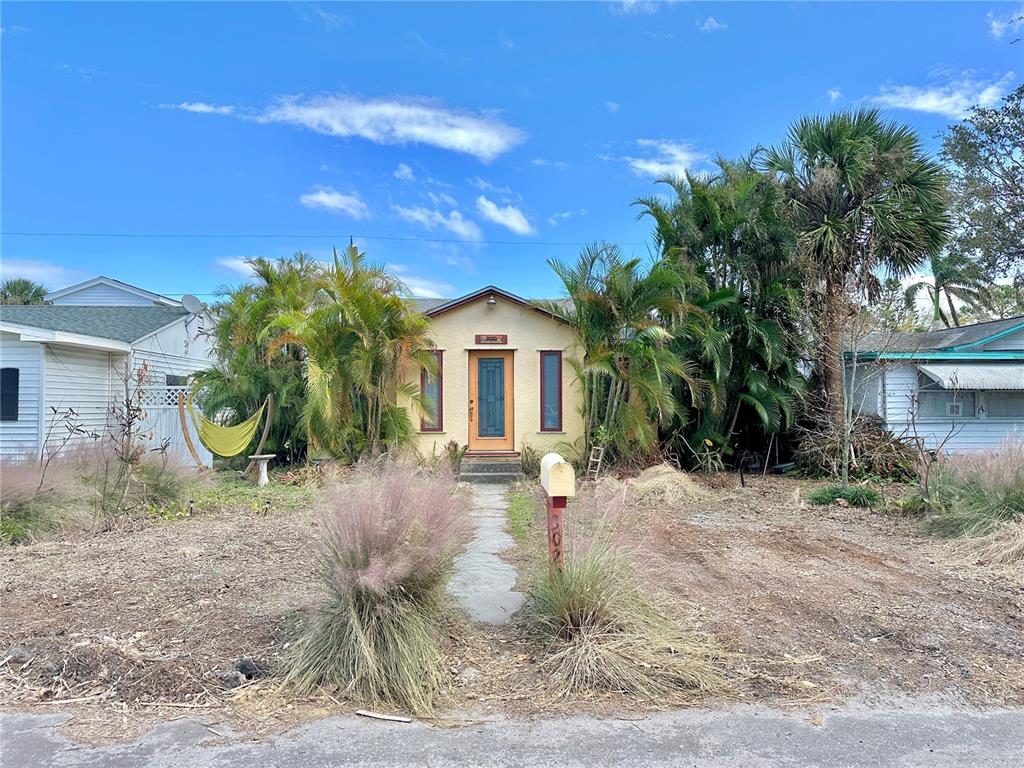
(749, 737)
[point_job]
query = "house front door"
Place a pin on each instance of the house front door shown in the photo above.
(490, 401)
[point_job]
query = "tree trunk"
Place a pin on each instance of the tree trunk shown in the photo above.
(832, 323)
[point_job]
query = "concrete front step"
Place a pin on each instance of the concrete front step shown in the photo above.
(489, 478)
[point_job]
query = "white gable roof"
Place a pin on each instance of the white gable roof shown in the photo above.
(106, 291)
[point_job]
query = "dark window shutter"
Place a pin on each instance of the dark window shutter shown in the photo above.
(9, 394)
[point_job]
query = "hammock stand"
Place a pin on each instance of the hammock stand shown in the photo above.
(268, 404)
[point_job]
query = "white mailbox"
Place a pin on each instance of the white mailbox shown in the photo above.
(557, 476)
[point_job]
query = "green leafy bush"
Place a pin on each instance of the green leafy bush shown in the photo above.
(390, 542)
(603, 632)
(854, 495)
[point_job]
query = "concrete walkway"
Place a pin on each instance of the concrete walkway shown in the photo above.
(484, 584)
(911, 734)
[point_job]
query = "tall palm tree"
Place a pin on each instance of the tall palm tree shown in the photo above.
(862, 195)
(359, 336)
(957, 279)
(725, 231)
(21, 290)
(618, 310)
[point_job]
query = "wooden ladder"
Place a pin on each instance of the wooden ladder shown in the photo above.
(594, 462)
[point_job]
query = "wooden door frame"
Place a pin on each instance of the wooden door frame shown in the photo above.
(479, 444)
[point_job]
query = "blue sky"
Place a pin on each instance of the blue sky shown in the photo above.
(463, 144)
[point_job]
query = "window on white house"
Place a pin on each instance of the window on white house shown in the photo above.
(173, 380)
(946, 404)
(1004, 404)
(9, 385)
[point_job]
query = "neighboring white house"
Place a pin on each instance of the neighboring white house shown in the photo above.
(73, 353)
(964, 386)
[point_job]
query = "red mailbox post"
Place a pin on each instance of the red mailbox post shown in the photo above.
(559, 482)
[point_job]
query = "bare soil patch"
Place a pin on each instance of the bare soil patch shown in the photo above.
(879, 608)
(191, 618)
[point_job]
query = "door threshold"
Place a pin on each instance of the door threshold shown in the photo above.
(492, 453)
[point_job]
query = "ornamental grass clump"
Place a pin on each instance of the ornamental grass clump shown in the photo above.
(603, 630)
(974, 494)
(390, 539)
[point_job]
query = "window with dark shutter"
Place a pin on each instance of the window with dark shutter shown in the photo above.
(9, 378)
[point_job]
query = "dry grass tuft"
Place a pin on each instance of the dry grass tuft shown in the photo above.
(603, 631)
(664, 485)
(1003, 545)
(390, 541)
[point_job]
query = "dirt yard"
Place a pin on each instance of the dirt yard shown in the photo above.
(192, 617)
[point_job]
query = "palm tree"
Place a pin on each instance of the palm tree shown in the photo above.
(21, 290)
(957, 279)
(862, 195)
(247, 369)
(726, 235)
(627, 368)
(358, 335)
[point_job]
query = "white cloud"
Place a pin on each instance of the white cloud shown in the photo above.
(834, 94)
(235, 264)
(51, 275)
(554, 218)
(612, 106)
(404, 173)
(424, 287)
(541, 162)
(200, 107)
(325, 18)
(399, 121)
(430, 219)
(329, 199)
(711, 24)
(952, 98)
(640, 7)
(666, 158)
(506, 41)
(442, 198)
(999, 25)
(485, 186)
(509, 217)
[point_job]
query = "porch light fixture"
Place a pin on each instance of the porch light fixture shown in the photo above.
(491, 302)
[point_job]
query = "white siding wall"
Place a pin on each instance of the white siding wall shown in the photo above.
(21, 438)
(104, 296)
(179, 349)
(971, 434)
(83, 379)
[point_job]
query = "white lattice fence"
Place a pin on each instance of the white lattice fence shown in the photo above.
(163, 421)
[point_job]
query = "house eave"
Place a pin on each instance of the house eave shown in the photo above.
(488, 290)
(46, 336)
(994, 355)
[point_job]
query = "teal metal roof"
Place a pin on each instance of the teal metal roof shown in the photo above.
(945, 340)
(125, 324)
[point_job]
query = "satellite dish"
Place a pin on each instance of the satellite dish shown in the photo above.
(192, 304)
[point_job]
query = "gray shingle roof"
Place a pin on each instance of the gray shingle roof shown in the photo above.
(933, 341)
(125, 324)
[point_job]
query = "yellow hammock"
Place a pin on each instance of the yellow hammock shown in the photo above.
(223, 441)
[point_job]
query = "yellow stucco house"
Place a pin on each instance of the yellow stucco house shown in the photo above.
(503, 378)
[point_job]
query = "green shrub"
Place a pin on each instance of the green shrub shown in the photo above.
(854, 495)
(973, 494)
(602, 630)
(530, 458)
(390, 542)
